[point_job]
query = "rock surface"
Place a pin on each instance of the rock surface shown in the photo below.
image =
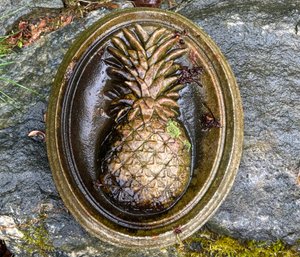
(260, 42)
(10, 10)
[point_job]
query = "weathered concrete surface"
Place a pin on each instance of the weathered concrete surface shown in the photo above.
(259, 40)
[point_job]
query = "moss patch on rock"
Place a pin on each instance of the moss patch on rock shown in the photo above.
(208, 244)
(173, 129)
(36, 237)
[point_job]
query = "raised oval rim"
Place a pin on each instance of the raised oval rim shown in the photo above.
(55, 154)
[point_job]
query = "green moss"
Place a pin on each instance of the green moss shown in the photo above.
(5, 48)
(36, 237)
(173, 129)
(187, 144)
(208, 244)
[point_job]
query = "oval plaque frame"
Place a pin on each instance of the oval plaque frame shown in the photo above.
(197, 209)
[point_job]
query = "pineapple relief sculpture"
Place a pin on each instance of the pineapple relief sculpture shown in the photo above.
(146, 165)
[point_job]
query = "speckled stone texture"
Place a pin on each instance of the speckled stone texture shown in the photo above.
(11, 10)
(258, 38)
(260, 42)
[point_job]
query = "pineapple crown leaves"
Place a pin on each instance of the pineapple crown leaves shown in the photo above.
(146, 64)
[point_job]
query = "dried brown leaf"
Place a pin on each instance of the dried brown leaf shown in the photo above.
(37, 135)
(23, 25)
(42, 24)
(67, 20)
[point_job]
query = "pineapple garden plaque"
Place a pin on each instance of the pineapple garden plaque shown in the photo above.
(144, 128)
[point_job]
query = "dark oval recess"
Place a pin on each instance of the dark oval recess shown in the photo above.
(87, 123)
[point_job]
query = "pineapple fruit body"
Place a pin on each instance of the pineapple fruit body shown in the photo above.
(146, 167)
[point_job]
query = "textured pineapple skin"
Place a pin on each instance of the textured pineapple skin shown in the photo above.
(146, 169)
